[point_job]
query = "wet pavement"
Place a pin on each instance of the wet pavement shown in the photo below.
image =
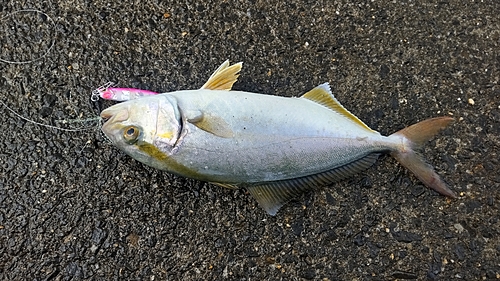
(73, 207)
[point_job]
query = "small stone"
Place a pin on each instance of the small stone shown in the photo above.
(458, 227)
(297, 228)
(308, 274)
(45, 112)
(471, 101)
(448, 235)
(98, 236)
(406, 237)
(359, 240)
(49, 100)
(459, 251)
(404, 275)
(252, 254)
(330, 200)
(384, 71)
(472, 205)
(418, 190)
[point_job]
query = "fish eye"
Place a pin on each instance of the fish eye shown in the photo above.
(131, 134)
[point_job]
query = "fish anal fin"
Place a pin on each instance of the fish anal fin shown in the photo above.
(226, 185)
(323, 95)
(224, 77)
(273, 195)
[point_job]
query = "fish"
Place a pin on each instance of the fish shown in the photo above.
(278, 148)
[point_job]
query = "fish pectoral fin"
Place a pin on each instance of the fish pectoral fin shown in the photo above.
(272, 195)
(323, 95)
(224, 77)
(212, 124)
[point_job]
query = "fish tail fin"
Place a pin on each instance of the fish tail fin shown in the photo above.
(414, 137)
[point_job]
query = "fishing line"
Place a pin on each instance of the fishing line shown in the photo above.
(63, 121)
(51, 43)
(48, 21)
(98, 119)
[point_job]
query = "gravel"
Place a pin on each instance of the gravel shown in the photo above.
(73, 207)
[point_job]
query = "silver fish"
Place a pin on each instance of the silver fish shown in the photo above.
(275, 147)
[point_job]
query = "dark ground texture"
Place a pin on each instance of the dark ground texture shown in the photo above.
(73, 207)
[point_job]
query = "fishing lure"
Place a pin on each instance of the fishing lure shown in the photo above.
(108, 92)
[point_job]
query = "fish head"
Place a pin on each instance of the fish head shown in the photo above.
(148, 129)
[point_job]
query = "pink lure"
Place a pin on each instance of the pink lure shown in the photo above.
(124, 94)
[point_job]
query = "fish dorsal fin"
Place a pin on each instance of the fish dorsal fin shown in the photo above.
(323, 95)
(272, 195)
(224, 77)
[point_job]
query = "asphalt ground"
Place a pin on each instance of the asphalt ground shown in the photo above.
(73, 207)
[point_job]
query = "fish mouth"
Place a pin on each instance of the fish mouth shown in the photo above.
(113, 117)
(106, 114)
(114, 114)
